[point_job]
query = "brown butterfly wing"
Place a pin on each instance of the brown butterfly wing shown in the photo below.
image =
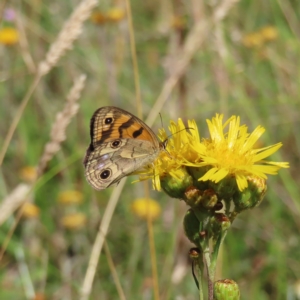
(105, 163)
(109, 123)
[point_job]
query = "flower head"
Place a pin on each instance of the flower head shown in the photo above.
(144, 208)
(227, 153)
(70, 197)
(177, 154)
(74, 221)
(30, 210)
(28, 173)
(233, 153)
(113, 15)
(9, 36)
(258, 38)
(269, 33)
(253, 40)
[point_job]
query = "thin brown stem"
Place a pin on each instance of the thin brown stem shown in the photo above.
(17, 117)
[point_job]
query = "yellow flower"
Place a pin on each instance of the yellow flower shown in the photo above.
(178, 22)
(115, 14)
(70, 197)
(74, 221)
(9, 36)
(233, 153)
(178, 153)
(269, 33)
(143, 207)
(28, 173)
(224, 154)
(98, 17)
(253, 40)
(30, 210)
(258, 38)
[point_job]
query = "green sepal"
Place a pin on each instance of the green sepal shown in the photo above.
(176, 186)
(191, 226)
(219, 223)
(200, 200)
(196, 173)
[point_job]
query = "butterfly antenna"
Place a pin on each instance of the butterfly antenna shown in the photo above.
(165, 142)
(177, 132)
(161, 120)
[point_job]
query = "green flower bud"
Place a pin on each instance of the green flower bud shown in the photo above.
(219, 224)
(196, 173)
(194, 254)
(209, 198)
(191, 226)
(252, 195)
(226, 289)
(224, 188)
(176, 186)
(200, 199)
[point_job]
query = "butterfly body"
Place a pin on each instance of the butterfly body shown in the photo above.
(120, 145)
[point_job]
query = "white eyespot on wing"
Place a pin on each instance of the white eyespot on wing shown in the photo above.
(102, 161)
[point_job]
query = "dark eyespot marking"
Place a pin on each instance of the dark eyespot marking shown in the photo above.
(137, 132)
(115, 144)
(108, 120)
(105, 174)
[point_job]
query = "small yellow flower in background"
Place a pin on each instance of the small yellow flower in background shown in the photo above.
(113, 15)
(260, 37)
(253, 40)
(28, 173)
(178, 22)
(224, 154)
(74, 221)
(30, 210)
(70, 197)
(269, 33)
(143, 207)
(98, 17)
(9, 36)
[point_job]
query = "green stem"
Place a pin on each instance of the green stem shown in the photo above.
(200, 277)
(204, 246)
(214, 256)
(211, 274)
(211, 262)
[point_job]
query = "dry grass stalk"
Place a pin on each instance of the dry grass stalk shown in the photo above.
(28, 60)
(222, 10)
(63, 118)
(67, 35)
(179, 65)
(64, 41)
(183, 57)
(99, 241)
(14, 200)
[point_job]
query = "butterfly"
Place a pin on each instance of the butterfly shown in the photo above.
(121, 144)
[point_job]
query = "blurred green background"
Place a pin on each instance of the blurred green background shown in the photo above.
(247, 65)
